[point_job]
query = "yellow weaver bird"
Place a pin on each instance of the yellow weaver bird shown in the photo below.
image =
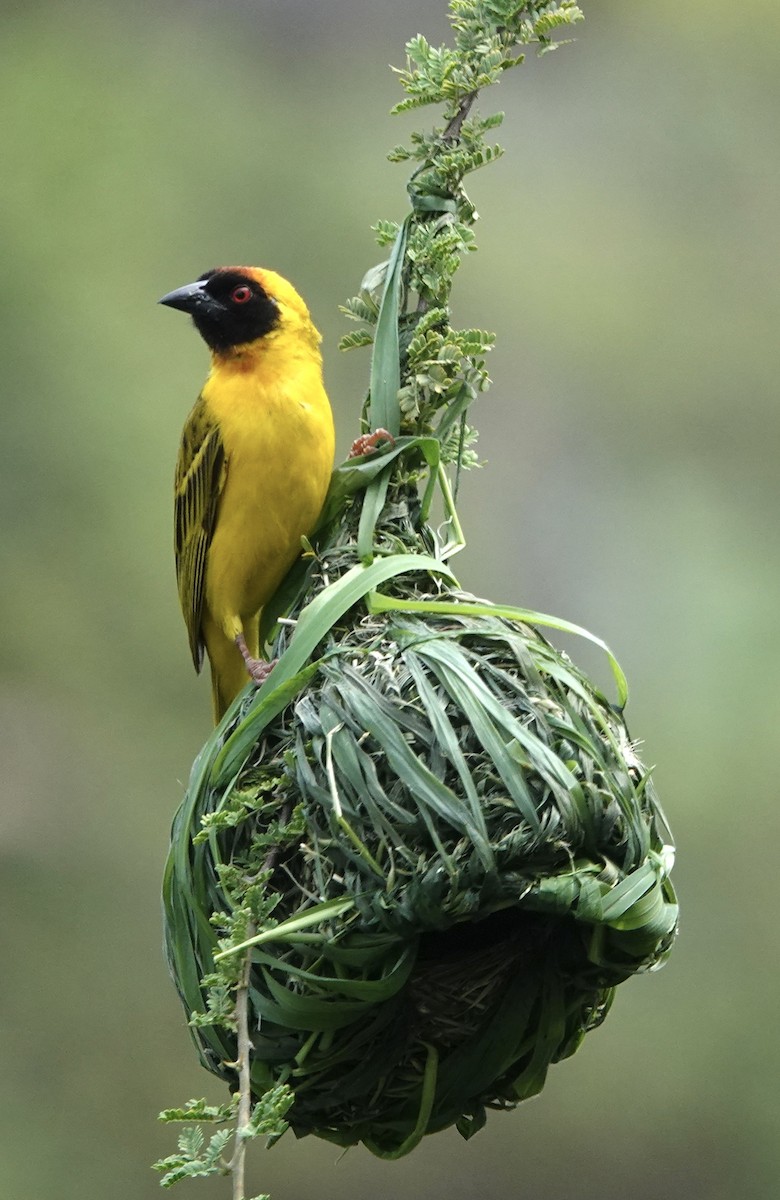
(254, 464)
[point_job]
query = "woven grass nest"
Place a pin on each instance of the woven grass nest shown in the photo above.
(454, 855)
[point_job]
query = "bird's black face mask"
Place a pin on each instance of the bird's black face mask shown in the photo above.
(228, 308)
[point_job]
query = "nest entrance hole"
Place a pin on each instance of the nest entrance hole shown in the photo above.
(462, 972)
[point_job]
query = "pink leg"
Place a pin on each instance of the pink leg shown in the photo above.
(370, 441)
(258, 668)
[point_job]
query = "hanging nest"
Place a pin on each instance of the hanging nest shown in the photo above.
(446, 855)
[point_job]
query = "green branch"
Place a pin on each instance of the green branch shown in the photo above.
(425, 374)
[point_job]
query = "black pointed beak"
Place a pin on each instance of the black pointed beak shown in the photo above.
(190, 299)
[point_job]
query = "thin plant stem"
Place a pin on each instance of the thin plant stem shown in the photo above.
(452, 131)
(244, 1057)
(244, 1066)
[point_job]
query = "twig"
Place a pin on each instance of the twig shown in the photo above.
(452, 131)
(243, 1059)
(450, 134)
(243, 1062)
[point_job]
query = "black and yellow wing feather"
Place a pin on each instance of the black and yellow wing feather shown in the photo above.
(200, 478)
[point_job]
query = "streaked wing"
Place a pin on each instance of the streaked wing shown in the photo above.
(200, 478)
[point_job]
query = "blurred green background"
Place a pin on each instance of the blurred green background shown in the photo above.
(628, 262)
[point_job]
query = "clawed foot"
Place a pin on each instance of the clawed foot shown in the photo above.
(370, 441)
(258, 668)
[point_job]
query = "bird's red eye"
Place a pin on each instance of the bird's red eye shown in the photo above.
(241, 294)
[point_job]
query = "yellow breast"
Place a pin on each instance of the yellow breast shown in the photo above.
(277, 432)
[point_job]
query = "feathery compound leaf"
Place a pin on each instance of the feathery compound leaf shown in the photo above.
(353, 341)
(194, 1160)
(199, 1110)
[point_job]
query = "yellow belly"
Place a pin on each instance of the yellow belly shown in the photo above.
(264, 511)
(278, 441)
